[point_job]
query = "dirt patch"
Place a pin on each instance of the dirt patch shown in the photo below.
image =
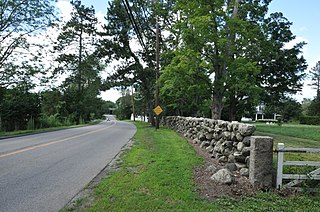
(211, 190)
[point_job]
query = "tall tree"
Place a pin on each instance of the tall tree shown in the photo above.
(20, 19)
(240, 45)
(315, 78)
(76, 45)
(282, 69)
(128, 22)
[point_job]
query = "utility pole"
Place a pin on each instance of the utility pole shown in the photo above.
(157, 72)
(133, 112)
(157, 67)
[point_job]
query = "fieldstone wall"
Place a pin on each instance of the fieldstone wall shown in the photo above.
(228, 142)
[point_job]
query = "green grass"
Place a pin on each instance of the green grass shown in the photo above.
(294, 136)
(21, 132)
(156, 175)
(297, 131)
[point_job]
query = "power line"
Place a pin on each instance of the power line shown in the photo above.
(133, 22)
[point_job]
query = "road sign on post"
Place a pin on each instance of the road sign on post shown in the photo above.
(157, 110)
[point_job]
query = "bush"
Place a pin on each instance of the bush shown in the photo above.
(49, 121)
(310, 120)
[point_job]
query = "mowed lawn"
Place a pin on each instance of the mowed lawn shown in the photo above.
(156, 175)
(294, 135)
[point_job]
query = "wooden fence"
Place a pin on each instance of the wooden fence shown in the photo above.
(296, 178)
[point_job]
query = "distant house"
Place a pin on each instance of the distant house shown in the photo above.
(260, 115)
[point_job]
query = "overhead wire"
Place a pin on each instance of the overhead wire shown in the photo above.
(133, 22)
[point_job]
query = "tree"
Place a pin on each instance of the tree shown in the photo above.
(124, 105)
(315, 78)
(282, 69)
(185, 87)
(18, 106)
(76, 44)
(20, 19)
(232, 36)
(137, 64)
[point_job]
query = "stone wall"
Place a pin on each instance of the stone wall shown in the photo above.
(228, 142)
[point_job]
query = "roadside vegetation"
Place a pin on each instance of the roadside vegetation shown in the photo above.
(156, 174)
(31, 131)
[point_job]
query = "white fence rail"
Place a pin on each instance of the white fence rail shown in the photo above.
(296, 178)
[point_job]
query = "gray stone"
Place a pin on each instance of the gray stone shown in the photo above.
(204, 144)
(240, 165)
(248, 161)
(239, 136)
(202, 137)
(240, 146)
(209, 136)
(226, 135)
(223, 176)
(235, 126)
(239, 157)
(246, 140)
(233, 136)
(227, 151)
(223, 159)
(211, 169)
(228, 144)
(247, 130)
(244, 172)
(246, 151)
(261, 157)
(231, 159)
(209, 149)
(231, 166)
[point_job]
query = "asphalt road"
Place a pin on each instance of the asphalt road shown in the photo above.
(43, 172)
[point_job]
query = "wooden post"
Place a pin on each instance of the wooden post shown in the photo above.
(280, 165)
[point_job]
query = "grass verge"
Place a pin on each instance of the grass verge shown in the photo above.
(22, 132)
(156, 175)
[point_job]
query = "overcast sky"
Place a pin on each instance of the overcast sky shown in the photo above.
(304, 15)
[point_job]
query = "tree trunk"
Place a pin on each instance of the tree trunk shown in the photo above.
(216, 106)
(232, 108)
(150, 111)
(218, 91)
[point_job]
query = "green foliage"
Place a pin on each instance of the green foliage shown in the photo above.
(124, 106)
(314, 107)
(49, 121)
(310, 120)
(315, 77)
(20, 19)
(17, 107)
(185, 86)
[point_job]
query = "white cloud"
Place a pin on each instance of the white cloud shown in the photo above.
(292, 43)
(110, 95)
(307, 92)
(65, 9)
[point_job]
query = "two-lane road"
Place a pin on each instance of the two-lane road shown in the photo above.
(43, 172)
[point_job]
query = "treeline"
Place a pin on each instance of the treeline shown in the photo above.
(22, 109)
(219, 59)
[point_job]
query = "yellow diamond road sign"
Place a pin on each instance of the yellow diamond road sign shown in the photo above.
(157, 110)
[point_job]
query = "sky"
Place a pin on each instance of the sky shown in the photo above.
(305, 19)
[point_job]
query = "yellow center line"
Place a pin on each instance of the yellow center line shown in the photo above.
(54, 142)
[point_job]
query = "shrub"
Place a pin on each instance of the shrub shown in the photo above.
(49, 121)
(310, 120)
